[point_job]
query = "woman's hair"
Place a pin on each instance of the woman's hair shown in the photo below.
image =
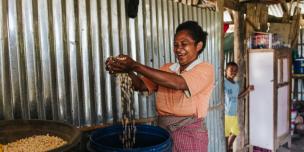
(195, 30)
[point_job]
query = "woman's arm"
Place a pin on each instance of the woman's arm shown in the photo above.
(138, 83)
(126, 64)
(163, 78)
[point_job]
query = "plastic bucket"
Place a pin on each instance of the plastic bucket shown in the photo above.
(148, 139)
(298, 66)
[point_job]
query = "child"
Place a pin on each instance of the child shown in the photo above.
(232, 95)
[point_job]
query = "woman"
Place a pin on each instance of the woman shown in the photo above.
(183, 88)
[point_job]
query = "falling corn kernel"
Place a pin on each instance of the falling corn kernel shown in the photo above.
(128, 114)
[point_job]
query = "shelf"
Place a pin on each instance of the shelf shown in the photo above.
(281, 51)
(298, 76)
(260, 1)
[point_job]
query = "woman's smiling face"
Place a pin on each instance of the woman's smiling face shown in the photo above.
(185, 48)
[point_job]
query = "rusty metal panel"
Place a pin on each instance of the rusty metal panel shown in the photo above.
(195, 13)
(141, 109)
(205, 25)
(13, 106)
(215, 116)
(175, 14)
(3, 68)
(32, 99)
(105, 49)
(85, 62)
(171, 27)
(96, 61)
(73, 61)
(185, 13)
(160, 32)
(190, 12)
(149, 45)
(154, 27)
(166, 35)
(46, 83)
(115, 41)
(181, 14)
(133, 54)
(58, 53)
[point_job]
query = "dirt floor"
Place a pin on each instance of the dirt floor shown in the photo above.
(297, 144)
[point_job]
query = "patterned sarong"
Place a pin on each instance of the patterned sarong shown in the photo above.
(189, 134)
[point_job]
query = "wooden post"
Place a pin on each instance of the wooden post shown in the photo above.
(257, 18)
(286, 13)
(263, 17)
(294, 28)
(220, 10)
(239, 58)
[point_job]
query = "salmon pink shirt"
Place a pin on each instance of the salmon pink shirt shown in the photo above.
(199, 77)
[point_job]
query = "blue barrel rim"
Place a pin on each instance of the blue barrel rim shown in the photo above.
(98, 131)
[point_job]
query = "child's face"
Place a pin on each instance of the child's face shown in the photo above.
(231, 72)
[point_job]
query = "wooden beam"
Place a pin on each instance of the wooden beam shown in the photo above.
(274, 19)
(263, 18)
(257, 17)
(284, 6)
(239, 58)
(261, 1)
(232, 4)
(220, 10)
(195, 2)
(294, 28)
(189, 2)
(251, 24)
(285, 12)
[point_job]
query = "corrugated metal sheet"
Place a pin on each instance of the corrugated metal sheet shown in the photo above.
(52, 56)
(276, 9)
(273, 9)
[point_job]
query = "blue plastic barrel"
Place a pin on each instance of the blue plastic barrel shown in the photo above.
(298, 66)
(148, 139)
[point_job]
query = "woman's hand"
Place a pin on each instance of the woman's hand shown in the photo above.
(120, 64)
(108, 64)
(125, 63)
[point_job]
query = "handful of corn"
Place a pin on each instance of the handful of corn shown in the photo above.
(1, 148)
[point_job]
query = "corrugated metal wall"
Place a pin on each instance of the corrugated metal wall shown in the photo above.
(52, 56)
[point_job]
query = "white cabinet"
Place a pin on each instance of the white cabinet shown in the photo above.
(269, 103)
